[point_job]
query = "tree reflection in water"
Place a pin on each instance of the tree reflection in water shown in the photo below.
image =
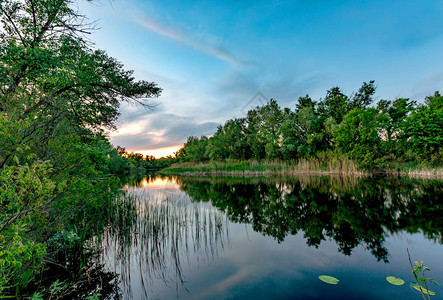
(349, 210)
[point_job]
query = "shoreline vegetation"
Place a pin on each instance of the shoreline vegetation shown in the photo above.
(342, 167)
(59, 99)
(337, 134)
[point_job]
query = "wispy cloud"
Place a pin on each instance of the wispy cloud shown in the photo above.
(191, 40)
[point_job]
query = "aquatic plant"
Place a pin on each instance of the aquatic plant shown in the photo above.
(157, 235)
(328, 279)
(395, 281)
(418, 270)
(421, 284)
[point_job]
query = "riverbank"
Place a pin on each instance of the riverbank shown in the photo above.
(342, 166)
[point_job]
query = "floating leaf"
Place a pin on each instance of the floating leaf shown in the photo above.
(395, 281)
(420, 289)
(328, 279)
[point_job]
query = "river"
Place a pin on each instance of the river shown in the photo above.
(271, 237)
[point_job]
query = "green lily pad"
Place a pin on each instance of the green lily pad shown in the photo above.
(395, 281)
(420, 289)
(328, 279)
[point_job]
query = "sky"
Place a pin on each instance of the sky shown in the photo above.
(216, 59)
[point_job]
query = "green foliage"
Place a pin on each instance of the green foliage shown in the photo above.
(303, 102)
(335, 105)
(96, 296)
(57, 288)
(358, 137)
(230, 141)
(36, 296)
(271, 120)
(21, 260)
(216, 149)
(253, 127)
(364, 96)
(422, 131)
(64, 239)
(419, 270)
(393, 136)
(58, 96)
(194, 150)
(25, 191)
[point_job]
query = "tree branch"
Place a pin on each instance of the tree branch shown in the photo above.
(13, 25)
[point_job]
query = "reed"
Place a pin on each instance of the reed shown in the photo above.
(156, 236)
(253, 167)
(324, 163)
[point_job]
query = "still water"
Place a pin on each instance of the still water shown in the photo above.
(270, 238)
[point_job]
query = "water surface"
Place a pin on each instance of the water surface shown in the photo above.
(270, 238)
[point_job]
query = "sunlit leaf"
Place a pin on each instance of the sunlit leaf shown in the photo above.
(420, 289)
(395, 281)
(328, 279)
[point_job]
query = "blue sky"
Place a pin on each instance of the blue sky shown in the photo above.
(212, 57)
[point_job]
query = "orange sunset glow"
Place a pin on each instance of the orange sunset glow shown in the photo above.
(159, 152)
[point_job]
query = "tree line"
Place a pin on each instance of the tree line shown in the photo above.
(376, 136)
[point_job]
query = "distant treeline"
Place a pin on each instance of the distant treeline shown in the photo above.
(376, 137)
(123, 162)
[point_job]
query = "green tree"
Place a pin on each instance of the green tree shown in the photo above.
(254, 141)
(364, 96)
(230, 141)
(358, 137)
(270, 120)
(422, 131)
(305, 101)
(217, 149)
(334, 105)
(194, 150)
(291, 135)
(392, 117)
(301, 131)
(57, 98)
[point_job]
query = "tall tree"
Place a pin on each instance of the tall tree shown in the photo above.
(194, 149)
(254, 141)
(364, 96)
(57, 97)
(271, 120)
(334, 105)
(392, 117)
(305, 101)
(230, 141)
(358, 137)
(422, 131)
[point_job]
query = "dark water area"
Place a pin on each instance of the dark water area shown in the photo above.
(175, 237)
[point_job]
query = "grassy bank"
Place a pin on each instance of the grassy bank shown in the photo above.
(337, 166)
